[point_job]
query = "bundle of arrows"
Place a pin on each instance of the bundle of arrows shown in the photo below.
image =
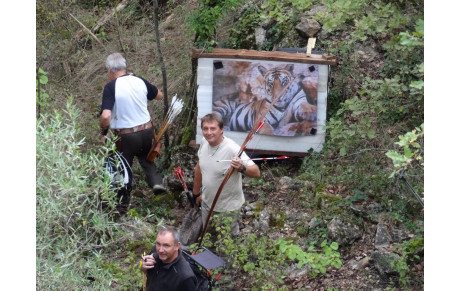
(173, 111)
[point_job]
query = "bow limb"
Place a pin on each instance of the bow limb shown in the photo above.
(255, 127)
(260, 113)
(221, 187)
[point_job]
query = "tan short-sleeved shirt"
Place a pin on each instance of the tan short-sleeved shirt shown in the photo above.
(213, 173)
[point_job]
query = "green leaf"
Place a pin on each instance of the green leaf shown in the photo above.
(421, 67)
(291, 254)
(371, 133)
(417, 84)
(337, 264)
(419, 26)
(334, 246)
(43, 79)
(394, 156)
(407, 152)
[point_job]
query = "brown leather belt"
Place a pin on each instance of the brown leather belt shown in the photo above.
(133, 129)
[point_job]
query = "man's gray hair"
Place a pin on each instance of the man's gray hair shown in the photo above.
(172, 230)
(115, 62)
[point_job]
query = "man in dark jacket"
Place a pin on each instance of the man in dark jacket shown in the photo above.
(166, 267)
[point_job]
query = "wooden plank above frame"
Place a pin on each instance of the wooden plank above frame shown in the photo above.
(231, 82)
(219, 53)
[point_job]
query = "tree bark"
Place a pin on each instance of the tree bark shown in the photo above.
(163, 72)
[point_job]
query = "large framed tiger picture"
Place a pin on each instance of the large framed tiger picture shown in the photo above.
(233, 83)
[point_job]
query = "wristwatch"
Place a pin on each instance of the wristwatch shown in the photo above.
(243, 170)
(195, 196)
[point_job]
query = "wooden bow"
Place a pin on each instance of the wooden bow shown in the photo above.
(256, 127)
(261, 111)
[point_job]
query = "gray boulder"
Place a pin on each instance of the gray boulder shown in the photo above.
(308, 27)
(382, 236)
(344, 229)
(384, 261)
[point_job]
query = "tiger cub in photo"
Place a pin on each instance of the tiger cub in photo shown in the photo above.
(291, 108)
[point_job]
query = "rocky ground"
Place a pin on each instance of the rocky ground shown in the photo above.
(366, 249)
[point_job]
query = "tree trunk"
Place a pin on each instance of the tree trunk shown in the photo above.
(163, 72)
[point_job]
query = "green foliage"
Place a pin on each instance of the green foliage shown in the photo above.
(277, 17)
(277, 219)
(369, 102)
(77, 234)
(187, 135)
(412, 145)
(340, 14)
(42, 96)
(355, 122)
(377, 19)
(317, 261)
(72, 191)
(264, 259)
(358, 196)
(249, 20)
(97, 3)
(277, 11)
(205, 20)
(409, 255)
(283, 11)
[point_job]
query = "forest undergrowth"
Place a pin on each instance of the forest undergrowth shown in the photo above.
(374, 136)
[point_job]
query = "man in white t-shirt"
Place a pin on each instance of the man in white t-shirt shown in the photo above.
(209, 173)
(124, 111)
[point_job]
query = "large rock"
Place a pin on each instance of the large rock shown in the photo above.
(384, 261)
(398, 234)
(382, 236)
(287, 184)
(263, 222)
(344, 229)
(308, 27)
(259, 34)
(298, 273)
(369, 211)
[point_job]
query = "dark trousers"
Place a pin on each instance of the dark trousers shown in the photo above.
(138, 144)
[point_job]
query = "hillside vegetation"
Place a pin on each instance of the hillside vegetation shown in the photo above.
(369, 174)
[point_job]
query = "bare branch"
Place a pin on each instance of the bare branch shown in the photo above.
(89, 31)
(109, 15)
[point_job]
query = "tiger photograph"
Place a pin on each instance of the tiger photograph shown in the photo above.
(240, 86)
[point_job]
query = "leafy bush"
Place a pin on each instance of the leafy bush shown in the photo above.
(41, 96)
(75, 208)
(411, 143)
(409, 250)
(265, 260)
(395, 93)
(205, 20)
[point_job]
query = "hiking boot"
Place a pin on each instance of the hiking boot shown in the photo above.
(157, 189)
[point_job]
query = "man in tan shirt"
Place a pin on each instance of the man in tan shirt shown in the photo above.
(209, 173)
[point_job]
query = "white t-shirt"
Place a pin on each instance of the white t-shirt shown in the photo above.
(126, 97)
(213, 173)
(130, 108)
